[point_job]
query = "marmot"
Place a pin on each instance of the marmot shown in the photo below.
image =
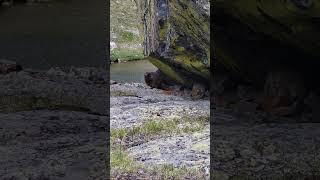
(157, 80)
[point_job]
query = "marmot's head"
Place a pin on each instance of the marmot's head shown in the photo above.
(147, 78)
(152, 79)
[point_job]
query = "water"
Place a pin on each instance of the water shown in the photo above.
(132, 71)
(61, 33)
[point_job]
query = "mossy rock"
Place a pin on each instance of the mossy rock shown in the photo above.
(178, 39)
(252, 37)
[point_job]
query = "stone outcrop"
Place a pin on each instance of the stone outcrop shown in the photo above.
(260, 44)
(250, 41)
(79, 89)
(177, 38)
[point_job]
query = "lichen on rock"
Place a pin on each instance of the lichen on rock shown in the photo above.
(177, 38)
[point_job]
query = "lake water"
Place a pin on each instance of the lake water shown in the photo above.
(63, 33)
(132, 71)
(60, 33)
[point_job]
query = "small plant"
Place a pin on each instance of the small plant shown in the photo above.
(168, 171)
(123, 93)
(155, 127)
(119, 133)
(121, 161)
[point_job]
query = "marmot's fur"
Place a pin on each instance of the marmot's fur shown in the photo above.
(157, 80)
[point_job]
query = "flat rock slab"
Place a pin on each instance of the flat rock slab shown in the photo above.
(264, 150)
(150, 104)
(53, 124)
(187, 150)
(139, 104)
(52, 145)
(75, 88)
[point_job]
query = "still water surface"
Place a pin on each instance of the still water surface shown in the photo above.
(61, 33)
(132, 71)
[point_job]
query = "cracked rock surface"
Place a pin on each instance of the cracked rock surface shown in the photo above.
(139, 104)
(246, 147)
(48, 131)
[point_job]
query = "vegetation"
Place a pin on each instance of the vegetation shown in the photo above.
(121, 161)
(122, 93)
(125, 31)
(155, 127)
(125, 166)
(168, 171)
(125, 55)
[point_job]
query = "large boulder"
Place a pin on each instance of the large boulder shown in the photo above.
(252, 37)
(177, 38)
(271, 45)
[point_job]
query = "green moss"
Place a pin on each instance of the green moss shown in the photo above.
(193, 64)
(163, 31)
(180, 48)
(191, 23)
(167, 69)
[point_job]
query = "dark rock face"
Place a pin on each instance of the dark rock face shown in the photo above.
(261, 44)
(284, 91)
